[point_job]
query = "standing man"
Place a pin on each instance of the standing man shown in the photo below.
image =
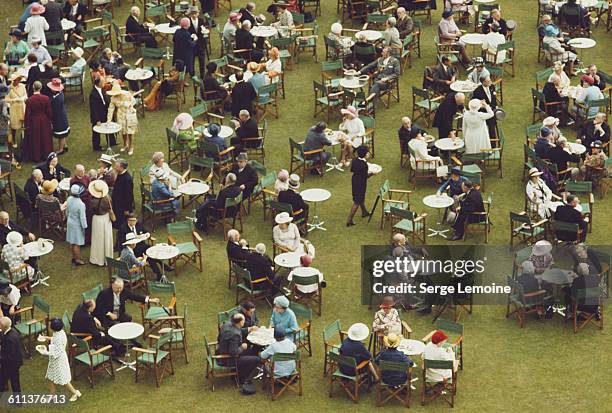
(98, 112)
(486, 92)
(472, 202)
(185, 45)
(123, 193)
(443, 119)
(10, 357)
(197, 26)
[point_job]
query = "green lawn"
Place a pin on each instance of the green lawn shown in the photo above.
(543, 367)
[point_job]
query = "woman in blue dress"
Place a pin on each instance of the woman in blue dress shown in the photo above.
(76, 223)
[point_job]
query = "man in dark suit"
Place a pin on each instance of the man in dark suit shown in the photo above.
(110, 303)
(137, 32)
(560, 157)
(196, 26)
(248, 13)
(560, 106)
(495, 18)
(229, 190)
(290, 196)
(443, 119)
(246, 175)
(443, 75)
(33, 186)
(53, 16)
(486, 91)
(246, 41)
(584, 281)
(243, 96)
(98, 111)
(11, 359)
(84, 322)
(245, 127)
(237, 249)
(569, 214)
(471, 202)
(123, 193)
(132, 225)
(77, 12)
(7, 225)
(212, 90)
(260, 265)
(407, 132)
(184, 46)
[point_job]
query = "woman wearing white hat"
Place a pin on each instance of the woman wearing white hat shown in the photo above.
(552, 124)
(343, 42)
(353, 347)
(286, 234)
(74, 75)
(539, 196)
(351, 127)
(158, 163)
(101, 223)
(128, 256)
(541, 257)
(475, 130)
(14, 255)
(123, 103)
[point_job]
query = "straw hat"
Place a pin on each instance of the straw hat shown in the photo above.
(131, 239)
(283, 218)
(253, 67)
(475, 105)
(49, 187)
(392, 340)
(541, 247)
(14, 238)
(77, 51)
(534, 172)
(438, 337)
(107, 159)
(116, 90)
(55, 84)
(14, 76)
(358, 332)
(37, 8)
(550, 121)
(98, 188)
(294, 181)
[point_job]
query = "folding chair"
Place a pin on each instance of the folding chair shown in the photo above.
(190, 246)
(292, 382)
(350, 384)
(386, 392)
(446, 388)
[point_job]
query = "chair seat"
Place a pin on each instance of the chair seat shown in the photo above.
(264, 100)
(177, 337)
(523, 229)
(586, 209)
(424, 104)
(285, 54)
(493, 156)
(338, 373)
(150, 358)
(35, 328)
(87, 44)
(156, 211)
(217, 366)
(394, 204)
(248, 289)
(96, 359)
(187, 248)
(156, 312)
(325, 101)
(407, 225)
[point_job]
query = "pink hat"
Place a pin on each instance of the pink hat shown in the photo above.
(234, 17)
(350, 111)
(183, 121)
(306, 260)
(37, 8)
(55, 85)
(588, 79)
(184, 23)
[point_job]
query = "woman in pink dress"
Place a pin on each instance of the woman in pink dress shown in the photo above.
(38, 131)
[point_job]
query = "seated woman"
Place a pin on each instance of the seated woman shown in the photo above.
(391, 353)
(343, 43)
(551, 91)
(593, 167)
(212, 90)
(284, 317)
(213, 131)
(74, 75)
(556, 50)
(51, 168)
(135, 264)
(162, 195)
(162, 89)
(589, 93)
(351, 127)
(185, 133)
(558, 70)
(47, 197)
(541, 257)
(435, 350)
(539, 196)
(286, 234)
(14, 255)
(421, 154)
(386, 319)
(282, 181)
(159, 164)
(353, 347)
(274, 66)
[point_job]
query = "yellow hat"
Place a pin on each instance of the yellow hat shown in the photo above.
(392, 340)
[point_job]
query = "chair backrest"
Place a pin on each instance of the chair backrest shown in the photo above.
(82, 345)
(198, 110)
(495, 72)
(329, 65)
(377, 18)
(117, 268)
(161, 288)
(235, 201)
(533, 130)
(543, 75)
(282, 42)
(343, 360)
(522, 218)
(153, 53)
(278, 207)
(309, 280)
(66, 321)
(209, 147)
(438, 364)
(298, 18)
(568, 227)
(243, 274)
(296, 147)
(268, 180)
(368, 121)
(402, 213)
(180, 227)
(449, 326)
(421, 93)
(364, 50)
(301, 311)
(579, 187)
(276, 357)
(41, 304)
(94, 33)
(206, 163)
(164, 340)
(225, 316)
(505, 46)
(156, 11)
(331, 331)
(393, 366)
(267, 89)
(93, 293)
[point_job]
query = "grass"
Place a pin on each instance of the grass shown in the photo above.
(543, 367)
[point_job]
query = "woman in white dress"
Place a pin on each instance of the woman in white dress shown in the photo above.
(274, 66)
(158, 163)
(58, 370)
(475, 130)
(539, 195)
(101, 223)
(286, 234)
(421, 154)
(351, 127)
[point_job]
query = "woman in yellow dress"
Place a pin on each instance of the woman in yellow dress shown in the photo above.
(123, 103)
(16, 99)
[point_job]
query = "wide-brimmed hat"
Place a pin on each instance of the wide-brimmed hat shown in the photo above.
(14, 238)
(37, 8)
(358, 332)
(116, 90)
(534, 172)
(596, 144)
(253, 67)
(15, 75)
(55, 84)
(76, 189)
(234, 17)
(283, 218)
(35, 39)
(438, 337)
(294, 181)
(351, 110)
(77, 51)
(336, 28)
(131, 239)
(455, 171)
(550, 31)
(98, 188)
(550, 121)
(281, 301)
(183, 121)
(242, 156)
(4, 90)
(392, 340)
(106, 158)
(541, 247)
(49, 187)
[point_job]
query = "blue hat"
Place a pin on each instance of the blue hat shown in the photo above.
(446, 14)
(279, 333)
(455, 171)
(550, 30)
(214, 129)
(545, 131)
(76, 189)
(281, 301)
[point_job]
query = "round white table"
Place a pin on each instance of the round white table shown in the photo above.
(463, 86)
(288, 259)
(581, 43)
(438, 202)
(449, 144)
(264, 31)
(370, 35)
(138, 74)
(67, 24)
(355, 82)
(315, 195)
(165, 28)
(411, 347)
(587, 4)
(64, 184)
(226, 132)
(126, 332)
(474, 39)
(37, 249)
(577, 148)
(163, 252)
(194, 189)
(571, 91)
(106, 129)
(263, 336)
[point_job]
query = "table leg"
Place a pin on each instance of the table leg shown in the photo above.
(334, 163)
(316, 223)
(40, 277)
(127, 362)
(163, 278)
(438, 230)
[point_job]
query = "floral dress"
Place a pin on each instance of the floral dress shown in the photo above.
(126, 113)
(58, 370)
(16, 99)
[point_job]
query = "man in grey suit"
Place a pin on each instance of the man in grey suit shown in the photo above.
(386, 68)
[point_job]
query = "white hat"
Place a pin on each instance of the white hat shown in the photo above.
(541, 247)
(550, 120)
(77, 51)
(131, 239)
(336, 28)
(358, 332)
(294, 181)
(534, 172)
(283, 218)
(475, 104)
(14, 238)
(160, 173)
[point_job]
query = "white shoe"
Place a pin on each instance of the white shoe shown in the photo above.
(75, 396)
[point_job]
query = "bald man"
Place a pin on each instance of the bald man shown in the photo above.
(110, 303)
(11, 358)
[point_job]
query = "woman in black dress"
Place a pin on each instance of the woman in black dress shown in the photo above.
(359, 183)
(61, 128)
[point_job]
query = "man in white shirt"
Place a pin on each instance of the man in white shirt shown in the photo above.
(490, 43)
(9, 301)
(434, 351)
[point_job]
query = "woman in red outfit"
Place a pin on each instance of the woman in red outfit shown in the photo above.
(38, 131)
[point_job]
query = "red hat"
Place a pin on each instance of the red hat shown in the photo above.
(306, 260)
(55, 85)
(588, 79)
(438, 337)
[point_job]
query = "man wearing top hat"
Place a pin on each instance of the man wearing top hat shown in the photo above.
(199, 27)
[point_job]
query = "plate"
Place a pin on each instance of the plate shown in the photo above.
(374, 168)
(41, 339)
(42, 349)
